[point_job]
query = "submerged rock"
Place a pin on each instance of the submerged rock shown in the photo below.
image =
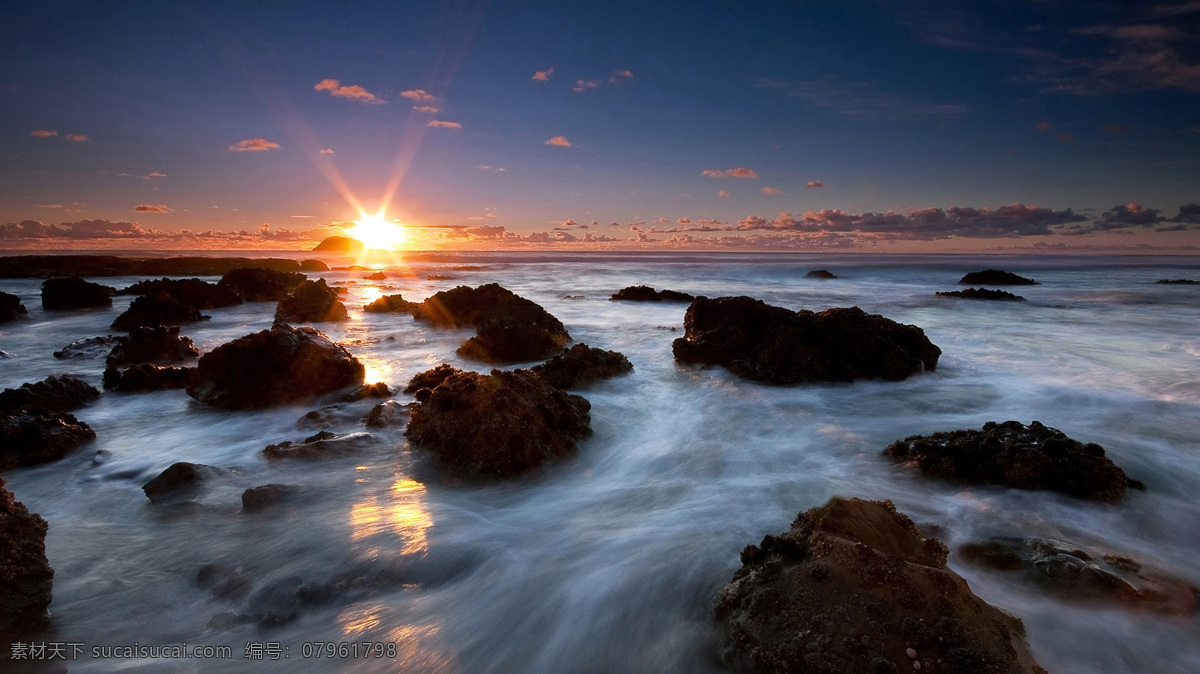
(983, 294)
(11, 308)
(273, 367)
(1177, 281)
(1076, 574)
(648, 294)
(190, 291)
(261, 498)
(509, 328)
(757, 341)
(854, 588)
(1015, 455)
(224, 581)
(33, 435)
(431, 378)
(180, 481)
(390, 413)
(156, 309)
(390, 304)
(55, 394)
(260, 285)
(311, 302)
(500, 424)
(581, 365)
(157, 344)
(820, 273)
(91, 347)
(26, 579)
(996, 277)
(75, 293)
(376, 390)
(147, 377)
(320, 445)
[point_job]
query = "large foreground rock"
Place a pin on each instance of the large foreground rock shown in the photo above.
(75, 293)
(55, 394)
(581, 365)
(33, 435)
(156, 309)
(853, 588)
(158, 344)
(505, 423)
(648, 294)
(755, 340)
(509, 328)
(996, 277)
(11, 308)
(190, 291)
(273, 367)
(983, 294)
(311, 302)
(1016, 455)
(26, 579)
(260, 285)
(1076, 574)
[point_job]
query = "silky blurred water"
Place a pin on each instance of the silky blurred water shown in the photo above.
(608, 562)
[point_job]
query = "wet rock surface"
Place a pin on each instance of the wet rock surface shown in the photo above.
(1015, 455)
(157, 344)
(1080, 575)
(266, 496)
(996, 277)
(431, 378)
(581, 365)
(311, 302)
(376, 390)
(757, 341)
(26, 579)
(320, 445)
(146, 377)
(983, 294)
(499, 424)
(33, 435)
(509, 328)
(75, 293)
(390, 304)
(255, 284)
(190, 291)
(90, 347)
(54, 394)
(179, 482)
(854, 588)
(387, 414)
(272, 367)
(820, 273)
(156, 309)
(648, 294)
(11, 308)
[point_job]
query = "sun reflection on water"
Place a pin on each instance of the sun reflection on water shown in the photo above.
(405, 513)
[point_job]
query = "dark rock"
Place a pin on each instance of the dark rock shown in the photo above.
(757, 341)
(273, 367)
(573, 297)
(820, 273)
(509, 328)
(852, 588)
(55, 394)
(388, 413)
(1019, 456)
(390, 304)
(648, 294)
(505, 423)
(1076, 574)
(91, 347)
(996, 277)
(11, 308)
(180, 481)
(156, 309)
(377, 276)
(313, 265)
(340, 244)
(224, 581)
(157, 344)
(1177, 281)
(26, 579)
(33, 435)
(190, 291)
(983, 294)
(75, 293)
(439, 277)
(319, 446)
(260, 285)
(431, 378)
(146, 377)
(311, 302)
(581, 365)
(260, 498)
(376, 390)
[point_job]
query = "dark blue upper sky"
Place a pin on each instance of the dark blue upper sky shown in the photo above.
(842, 111)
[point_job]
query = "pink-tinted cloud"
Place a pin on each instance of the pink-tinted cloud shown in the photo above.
(815, 184)
(616, 78)
(420, 96)
(351, 91)
(327, 150)
(76, 138)
(254, 145)
(1043, 126)
(154, 174)
(584, 85)
(770, 190)
(558, 141)
(152, 208)
(739, 172)
(43, 133)
(439, 124)
(723, 193)
(426, 109)
(543, 75)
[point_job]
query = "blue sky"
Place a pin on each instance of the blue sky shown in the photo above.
(839, 113)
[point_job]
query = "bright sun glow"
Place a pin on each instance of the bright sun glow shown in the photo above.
(377, 233)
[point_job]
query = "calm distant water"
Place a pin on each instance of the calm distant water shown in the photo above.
(609, 561)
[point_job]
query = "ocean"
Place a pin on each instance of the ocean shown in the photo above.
(608, 562)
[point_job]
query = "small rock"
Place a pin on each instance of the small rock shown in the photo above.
(56, 394)
(261, 285)
(648, 294)
(319, 446)
(983, 294)
(180, 481)
(156, 309)
(75, 293)
(820, 274)
(33, 435)
(311, 302)
(91, 347)
(259, 498)
(581, 365)
(388, 413)
(996, 277)
(390, 304)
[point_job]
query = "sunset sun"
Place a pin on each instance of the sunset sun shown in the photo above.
(378, 234)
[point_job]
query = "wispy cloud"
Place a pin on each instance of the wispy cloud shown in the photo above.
(43, 133)
(558, 141)
(543, 75)
(254, 145)
(864, 100)
(739, 172)
(815, 184)
(427, 109)
(76, 138)
(327, 150)
(723, 193)
(154, 174)
(351, 91)
(616, 78)
(770, 190)
(152, 208)
(439, 124)
(420, 96)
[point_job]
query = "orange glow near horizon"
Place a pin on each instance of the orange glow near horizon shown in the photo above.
(376, 233)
